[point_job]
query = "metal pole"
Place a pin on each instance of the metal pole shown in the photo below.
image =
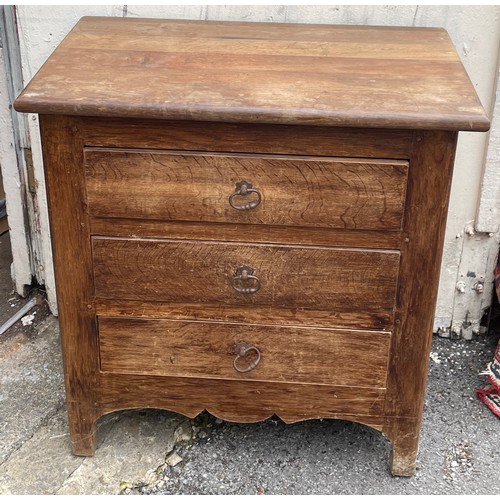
(19, 314)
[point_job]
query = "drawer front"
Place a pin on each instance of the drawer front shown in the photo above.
(232, 351)
(244, 189)
(220, 274)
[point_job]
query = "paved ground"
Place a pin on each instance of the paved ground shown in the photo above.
(10, 303)
(151, 451)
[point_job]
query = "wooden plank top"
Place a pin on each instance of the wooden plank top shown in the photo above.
(382, 77)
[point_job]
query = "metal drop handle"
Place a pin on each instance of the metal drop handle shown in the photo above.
(244, 280)
(245, 188)
(242, 350)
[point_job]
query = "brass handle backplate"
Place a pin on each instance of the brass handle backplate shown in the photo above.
(242, 350)
(244, 280)
(244, 189)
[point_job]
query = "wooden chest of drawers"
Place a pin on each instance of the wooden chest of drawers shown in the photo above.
(249, 218)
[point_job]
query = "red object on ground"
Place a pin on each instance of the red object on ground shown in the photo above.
(490, 395)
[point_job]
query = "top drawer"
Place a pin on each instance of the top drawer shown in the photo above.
(246, 189)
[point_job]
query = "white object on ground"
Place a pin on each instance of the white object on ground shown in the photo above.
(28, 319)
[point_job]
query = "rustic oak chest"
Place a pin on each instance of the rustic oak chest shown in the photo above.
(248, 218)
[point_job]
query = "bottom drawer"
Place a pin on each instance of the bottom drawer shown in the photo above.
(238, 351)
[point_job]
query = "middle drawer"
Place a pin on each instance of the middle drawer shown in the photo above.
(350, 287)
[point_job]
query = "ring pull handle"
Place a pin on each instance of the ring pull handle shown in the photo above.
(242, 350)
(244, 280)
(245, 188)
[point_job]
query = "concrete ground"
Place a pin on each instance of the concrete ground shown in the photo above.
(153, 451)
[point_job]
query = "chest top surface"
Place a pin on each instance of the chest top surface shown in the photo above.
(350, 76)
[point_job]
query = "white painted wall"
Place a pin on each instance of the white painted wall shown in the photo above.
(14, 185)
(475, 31)
(488, 218)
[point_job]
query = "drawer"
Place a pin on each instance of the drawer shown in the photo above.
(232, 351)
(219, 275)
(246, 189)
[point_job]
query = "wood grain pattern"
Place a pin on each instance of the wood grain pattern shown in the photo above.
(63, 158)
(279, 73)
(240, 401)
(202, 272)
(246, 138)
(261, 315)
(199, 349)
(294, 191)
(140, 228)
